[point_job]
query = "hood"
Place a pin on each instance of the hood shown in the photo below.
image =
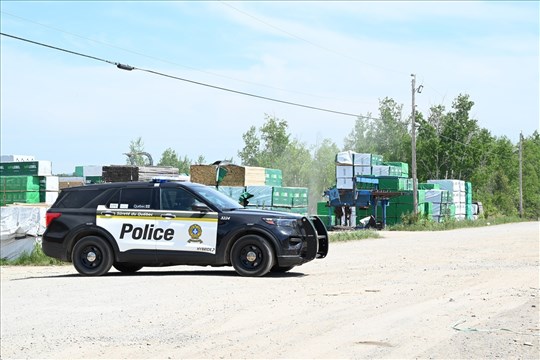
(263, 213)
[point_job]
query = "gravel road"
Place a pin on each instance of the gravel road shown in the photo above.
(468, 293)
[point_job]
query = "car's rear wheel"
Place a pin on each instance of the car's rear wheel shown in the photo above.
(252, 255)
(127, 267)
(92, 256)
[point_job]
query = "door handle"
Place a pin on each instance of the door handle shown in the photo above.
(107, 213)
(168, 216)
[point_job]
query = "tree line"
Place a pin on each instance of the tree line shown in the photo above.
(449, 145)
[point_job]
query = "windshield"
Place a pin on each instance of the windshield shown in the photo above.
(222, 201)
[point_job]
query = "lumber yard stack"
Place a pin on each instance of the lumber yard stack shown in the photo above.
(437, 199)
(265, 186)
(23, 179)
(120, 173)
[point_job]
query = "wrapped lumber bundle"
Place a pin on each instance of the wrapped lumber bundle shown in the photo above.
(235, 176)
(67, 182)
(147, 173)
(120, 173)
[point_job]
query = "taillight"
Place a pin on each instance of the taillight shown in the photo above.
(50, 217)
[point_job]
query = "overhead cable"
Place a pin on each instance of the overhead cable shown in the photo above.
(170, 62)
(128, 67)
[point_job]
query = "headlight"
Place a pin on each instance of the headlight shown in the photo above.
(280, 222)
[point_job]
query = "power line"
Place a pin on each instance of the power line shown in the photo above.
(128, 67)
(168, 61)
(59, 49)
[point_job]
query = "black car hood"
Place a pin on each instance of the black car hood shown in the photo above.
(262, 213)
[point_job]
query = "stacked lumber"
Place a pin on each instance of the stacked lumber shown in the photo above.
(236, 175)
(120, 173)
(147, 173)
(67, 182)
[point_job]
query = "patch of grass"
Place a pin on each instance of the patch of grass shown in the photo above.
(427, 225)
(35, 258)
(337, 236)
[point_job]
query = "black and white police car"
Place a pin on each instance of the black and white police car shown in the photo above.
(161, 223)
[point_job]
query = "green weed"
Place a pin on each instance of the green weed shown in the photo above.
(336, 236)
(35, 258)
(422, 224)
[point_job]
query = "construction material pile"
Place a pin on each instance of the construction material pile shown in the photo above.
(351, 165)
(263, 185)
(120, 173)
(437, 199)
(26, 180)
(236, 175)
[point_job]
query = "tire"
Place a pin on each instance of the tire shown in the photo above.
(252, 255)
(92, 256)
(127, 267)
(281, 269)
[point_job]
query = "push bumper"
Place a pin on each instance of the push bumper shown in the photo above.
(315, 243)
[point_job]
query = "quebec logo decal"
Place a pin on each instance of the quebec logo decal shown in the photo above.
(195, 233)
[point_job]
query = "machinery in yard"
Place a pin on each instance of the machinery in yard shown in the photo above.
(340, 199)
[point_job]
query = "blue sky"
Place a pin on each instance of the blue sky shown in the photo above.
(343, 56)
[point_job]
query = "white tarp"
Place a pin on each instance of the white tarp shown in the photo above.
(20, 228)
(362, 159)
(344, 158)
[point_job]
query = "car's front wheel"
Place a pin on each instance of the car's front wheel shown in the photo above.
(92, 256)
(252, 255)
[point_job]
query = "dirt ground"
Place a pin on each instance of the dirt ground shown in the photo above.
(469, 293)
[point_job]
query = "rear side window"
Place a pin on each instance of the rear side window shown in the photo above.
(76, 199)
(134, 198)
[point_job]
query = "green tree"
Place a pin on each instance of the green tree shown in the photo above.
(458, 132)
(169, 158)
(531, 176)
(250, 153)
(136, 154)
(275, 140)
(184, 165)
(323, 171)
(429, 144)
(267, 146)
(200, 160)
(359, 138)
(450, 144)
(387, 135)
(295, 162)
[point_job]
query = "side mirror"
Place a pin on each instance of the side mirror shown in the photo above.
(199, 206)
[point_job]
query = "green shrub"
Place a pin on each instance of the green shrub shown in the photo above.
(336, 236)
(449, 224)
(35, 258)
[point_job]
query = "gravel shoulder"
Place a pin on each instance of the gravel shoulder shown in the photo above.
(468, 293)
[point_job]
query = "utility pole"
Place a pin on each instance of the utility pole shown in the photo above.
(520, 174)
(413, 145)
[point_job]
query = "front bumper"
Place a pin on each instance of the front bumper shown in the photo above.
(314, 243)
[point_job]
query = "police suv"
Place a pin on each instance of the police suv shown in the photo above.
(161, 223)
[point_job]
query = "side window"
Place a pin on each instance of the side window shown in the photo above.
(114, 201)
(76, 199)
(177, 199)
(103, 198)
(133, 198)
